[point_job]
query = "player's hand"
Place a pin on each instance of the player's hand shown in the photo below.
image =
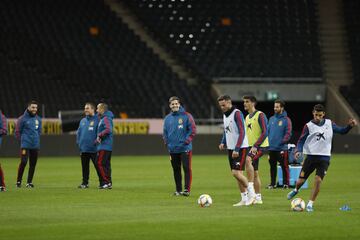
(221, 146)
(297, 155)
(352, 122)
(253, 150)
(98, 140)
(235, 154)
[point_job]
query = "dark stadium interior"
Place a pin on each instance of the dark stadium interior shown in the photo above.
(65, 53)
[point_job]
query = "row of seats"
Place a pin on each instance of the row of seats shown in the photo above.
(352, 22)
(262, 38)
(64, 53)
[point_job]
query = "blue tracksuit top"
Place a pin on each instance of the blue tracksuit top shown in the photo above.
(105, 131)
(28, 130)
(3, 126)
(179, 131)
(279, 132)
(87, 133)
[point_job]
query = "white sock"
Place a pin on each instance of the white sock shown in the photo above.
(310, 203)
(251, 187)
(244, 196)
(295, 189)
(258, 196)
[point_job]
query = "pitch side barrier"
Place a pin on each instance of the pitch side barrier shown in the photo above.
(144, 145)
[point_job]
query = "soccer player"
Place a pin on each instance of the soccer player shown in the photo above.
(27, 131)
(256, 132)
(104, 142)
(178, 133)
(279, 133)
(3, 131)
(86, 140)
(316, 141)
(235, 141)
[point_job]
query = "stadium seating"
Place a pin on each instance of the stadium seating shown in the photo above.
(352, 22)
(232, 38)
(64, 53)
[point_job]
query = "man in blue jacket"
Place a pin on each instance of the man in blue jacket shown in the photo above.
(85, 139)
(3, 131)
(178, 133)
(279, 133)
(27, 131)
(104, 142)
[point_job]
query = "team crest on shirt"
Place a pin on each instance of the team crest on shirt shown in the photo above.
(92, 123)
(280, 123)
(36, 124)
(180, 123)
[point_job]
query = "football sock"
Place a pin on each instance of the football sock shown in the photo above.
(310, 203)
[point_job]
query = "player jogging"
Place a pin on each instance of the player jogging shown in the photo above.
(316, 141)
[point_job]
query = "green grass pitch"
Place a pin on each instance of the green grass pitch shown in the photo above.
(141, 205)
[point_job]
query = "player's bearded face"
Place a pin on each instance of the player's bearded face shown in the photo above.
(174, 106)
(277, 108)
(88, 110)
(318, 116)
(33, 109)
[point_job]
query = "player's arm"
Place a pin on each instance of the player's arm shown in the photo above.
(222, 144)
(301, 142)
(19, 128)
(191, 129)
(263, 126)
(241, 127)
(288, 131)
(165, 132)
(78, 133)
(107, 129)
(346, 129)
(3, 125)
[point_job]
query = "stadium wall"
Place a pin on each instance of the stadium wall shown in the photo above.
(65, 145)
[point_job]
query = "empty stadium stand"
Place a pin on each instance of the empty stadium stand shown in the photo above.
(64, 53)
(352, 21)
(241, 39)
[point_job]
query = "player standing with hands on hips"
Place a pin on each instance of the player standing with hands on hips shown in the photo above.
(178, 133)
(316, 142)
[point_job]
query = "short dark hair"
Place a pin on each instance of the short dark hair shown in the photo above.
(224, 98)
(319, 108)
(173, 98)
(92, 105)
(32, 102)
(281, 102)
(250, 97)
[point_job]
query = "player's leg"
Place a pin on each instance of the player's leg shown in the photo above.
(2, 181)
(257, 181)
(186, 159)
(284, 163)
(307, 168)
(23, 161)
(273, 158)
(99, 160)
(175, 159)
(237, 167)
(33, 157)
(85, 162)
(250, 177)
(107, 168)
(321, 169)
(93, 159)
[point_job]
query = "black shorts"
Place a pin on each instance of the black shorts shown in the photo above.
(255, 158)
(310, 165)
(239, 162)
